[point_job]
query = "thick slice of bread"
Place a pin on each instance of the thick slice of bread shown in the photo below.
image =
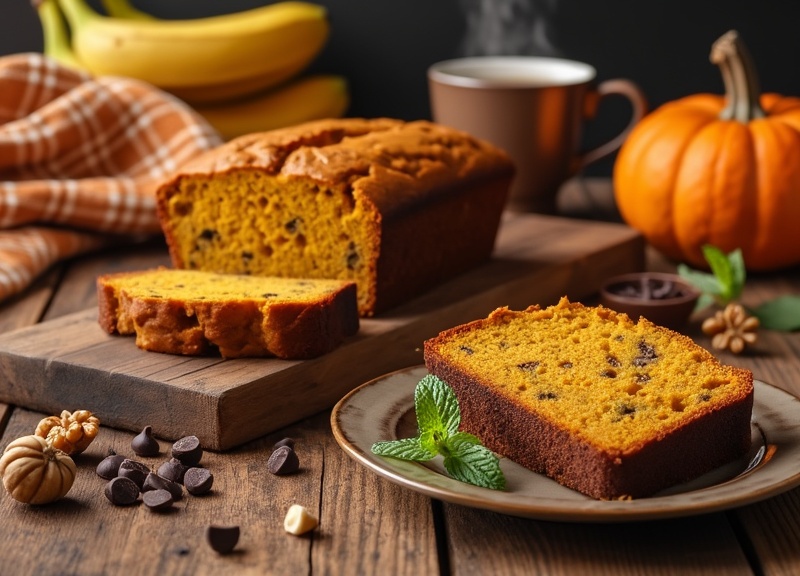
(197, 313)
(601, 404)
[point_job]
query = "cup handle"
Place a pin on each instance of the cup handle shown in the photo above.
(638, 102)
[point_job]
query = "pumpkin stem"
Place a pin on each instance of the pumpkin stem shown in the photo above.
(742, 89)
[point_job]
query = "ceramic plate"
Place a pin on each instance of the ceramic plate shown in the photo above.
(383, 409)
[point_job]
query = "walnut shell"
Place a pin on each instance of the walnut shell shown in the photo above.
(71, 432)
(34, 472)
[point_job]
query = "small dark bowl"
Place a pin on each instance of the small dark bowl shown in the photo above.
(670, 303)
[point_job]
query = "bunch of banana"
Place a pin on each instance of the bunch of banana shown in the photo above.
(240, 71)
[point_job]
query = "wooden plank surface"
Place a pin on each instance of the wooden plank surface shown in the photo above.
(366, 526)
(702, 546)
(69, 361)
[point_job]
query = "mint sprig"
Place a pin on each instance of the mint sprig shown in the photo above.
(438, 419)
(725, 282)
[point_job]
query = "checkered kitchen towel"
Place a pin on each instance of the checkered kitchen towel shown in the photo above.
(80, 159)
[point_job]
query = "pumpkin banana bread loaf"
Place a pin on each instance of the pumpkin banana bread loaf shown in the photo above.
(395, 207)
(603, 405)
(196, 313)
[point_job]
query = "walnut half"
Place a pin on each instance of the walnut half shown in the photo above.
(72, 432)
(731, 329)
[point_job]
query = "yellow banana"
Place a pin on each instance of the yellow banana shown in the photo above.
(56, 36)
(175, 54)
(227, 91)
(124, 9)
(212, 92)
(311, 98)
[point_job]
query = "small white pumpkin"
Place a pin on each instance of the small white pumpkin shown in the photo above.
(34, 472)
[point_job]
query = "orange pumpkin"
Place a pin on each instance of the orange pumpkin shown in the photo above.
(720, 170)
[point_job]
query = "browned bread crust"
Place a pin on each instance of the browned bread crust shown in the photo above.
(706, 420)
(198, 313)
(396, 207)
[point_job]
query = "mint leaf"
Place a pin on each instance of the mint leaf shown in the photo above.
(473, 463)
(782, 313)
(405, 449)
(738, 271)
(728, 269)
(438, 415)
(464, 437)
(438, 419)
(703, 281)
(725, 282)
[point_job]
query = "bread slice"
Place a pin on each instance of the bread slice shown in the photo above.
(198, 313)
(603, 405)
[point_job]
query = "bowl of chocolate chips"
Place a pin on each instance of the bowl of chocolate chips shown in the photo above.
(665, 299)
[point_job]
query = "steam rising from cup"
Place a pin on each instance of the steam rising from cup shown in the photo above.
(509, 27)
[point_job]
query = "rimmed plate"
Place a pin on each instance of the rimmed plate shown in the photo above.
(383, 409)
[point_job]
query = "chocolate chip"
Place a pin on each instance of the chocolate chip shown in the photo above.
(646, 354)
(661, 290)
(156, 482)
(143, 444)
(608, 373)
(643, 377)
(284, 442)
(283, 461)
(198, 481)
(466, 350)
(188, 450)
(122, 491)
(528, 366)
(134, 470)
(222, 539)
(208, 234)
(157, 499)
(648, 289)
(613, 361)
(108, 467)
(172, 470)
(352, 257)
(293, 225)
(547, 396)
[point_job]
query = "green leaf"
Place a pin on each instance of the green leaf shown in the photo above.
(437, 407)
(725, 282)
(474, 464)
(739, 273)
(728, 269)
(782, 313)
(405, 449)
(438, 419)
(464, 437)
(703, 281)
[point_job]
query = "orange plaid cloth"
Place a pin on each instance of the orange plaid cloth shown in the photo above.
(80, 159)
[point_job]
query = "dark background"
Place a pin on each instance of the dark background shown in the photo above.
(384, 47)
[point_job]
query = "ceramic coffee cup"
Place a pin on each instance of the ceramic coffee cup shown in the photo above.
(534, 108)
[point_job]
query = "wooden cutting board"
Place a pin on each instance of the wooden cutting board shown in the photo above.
(70, 363)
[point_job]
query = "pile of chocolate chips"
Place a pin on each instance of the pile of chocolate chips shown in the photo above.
(129, 478)
(648, 289)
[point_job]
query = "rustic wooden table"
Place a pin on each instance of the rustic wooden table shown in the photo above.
(367, 524)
